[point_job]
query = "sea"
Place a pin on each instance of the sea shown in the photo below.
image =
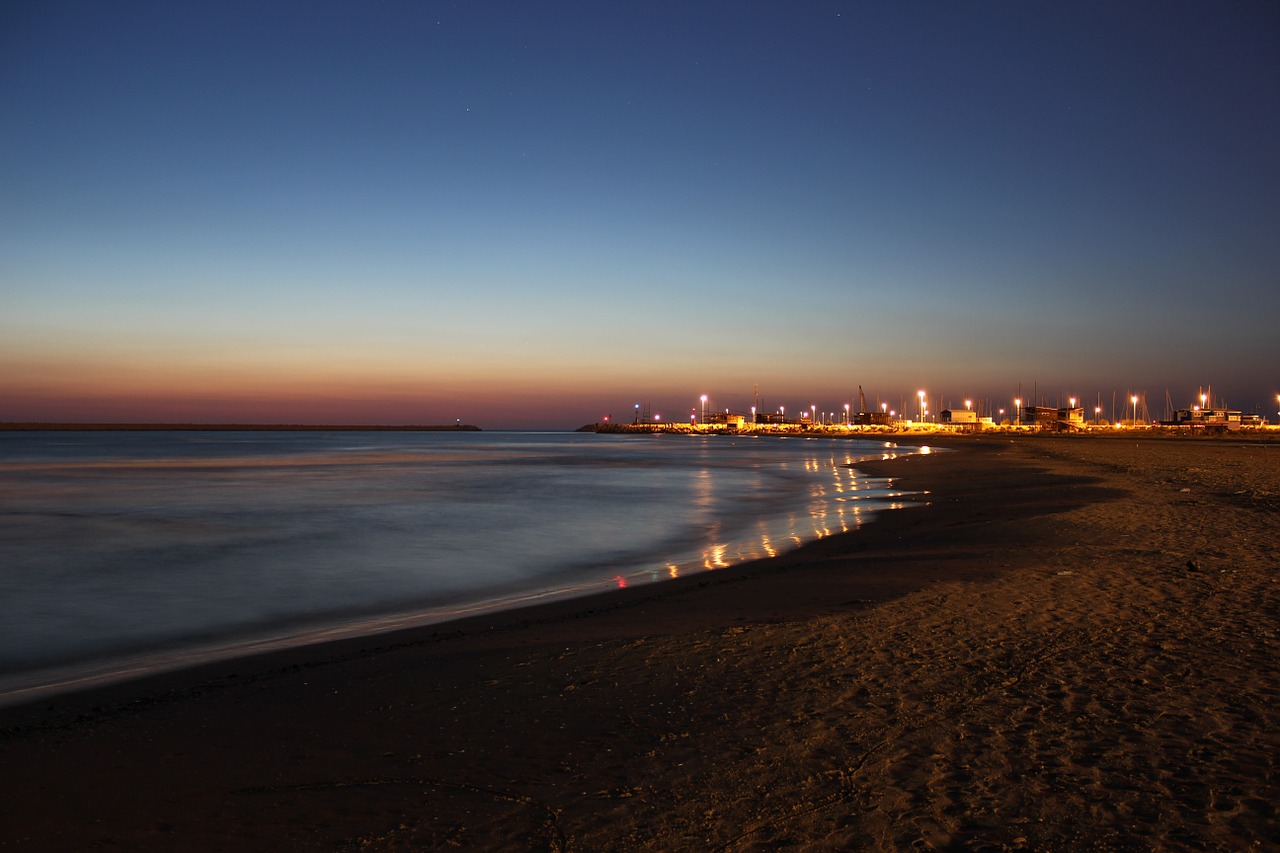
(128, 552)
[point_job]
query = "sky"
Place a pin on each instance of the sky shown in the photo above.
(533, 215)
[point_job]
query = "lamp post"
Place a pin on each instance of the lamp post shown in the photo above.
(704, 408)
(1097, 413)
(1017, 409)
(1134, 400)
(968, 405)
(920, 394)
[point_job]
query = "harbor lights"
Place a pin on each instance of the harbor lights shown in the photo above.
(1002, 416)
(1073, 401)
(968, 405)
(884, 408)
(1134, 400)
(704, 408)
(753, 414)
(1017, 407)
(813, 414)
(846, 414)
(1203, 399)
(1097, 414)
(920, 394)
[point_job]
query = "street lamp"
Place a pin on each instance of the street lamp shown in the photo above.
(968, 404)
(1097, 413)
(920, 394)
(846, 414)
(704, 408)
(1017, 406)
(1134, 400)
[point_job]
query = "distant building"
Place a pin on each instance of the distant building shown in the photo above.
(958, 416)
(1050, 418)
(1071, 418)
(1040, 417)
(733, 420)
(1218, 419)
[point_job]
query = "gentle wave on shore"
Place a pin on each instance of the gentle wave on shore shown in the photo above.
(127, 551)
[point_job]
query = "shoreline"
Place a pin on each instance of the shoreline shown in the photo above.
(926, 435)
(1070, 645)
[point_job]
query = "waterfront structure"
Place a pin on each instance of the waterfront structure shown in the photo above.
(1051, 418)
(873, 419)
(958, 416)
(1218, 419)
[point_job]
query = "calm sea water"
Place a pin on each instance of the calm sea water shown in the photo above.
(127, 551)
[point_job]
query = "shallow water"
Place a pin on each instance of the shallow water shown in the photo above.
(128, 550)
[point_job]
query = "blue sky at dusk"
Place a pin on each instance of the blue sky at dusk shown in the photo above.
(532, 214)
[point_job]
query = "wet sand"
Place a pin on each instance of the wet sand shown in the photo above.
(1073, 645)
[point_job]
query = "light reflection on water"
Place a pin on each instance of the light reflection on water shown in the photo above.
(117, 543)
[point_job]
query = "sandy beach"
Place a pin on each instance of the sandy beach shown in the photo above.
(1069, 644)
